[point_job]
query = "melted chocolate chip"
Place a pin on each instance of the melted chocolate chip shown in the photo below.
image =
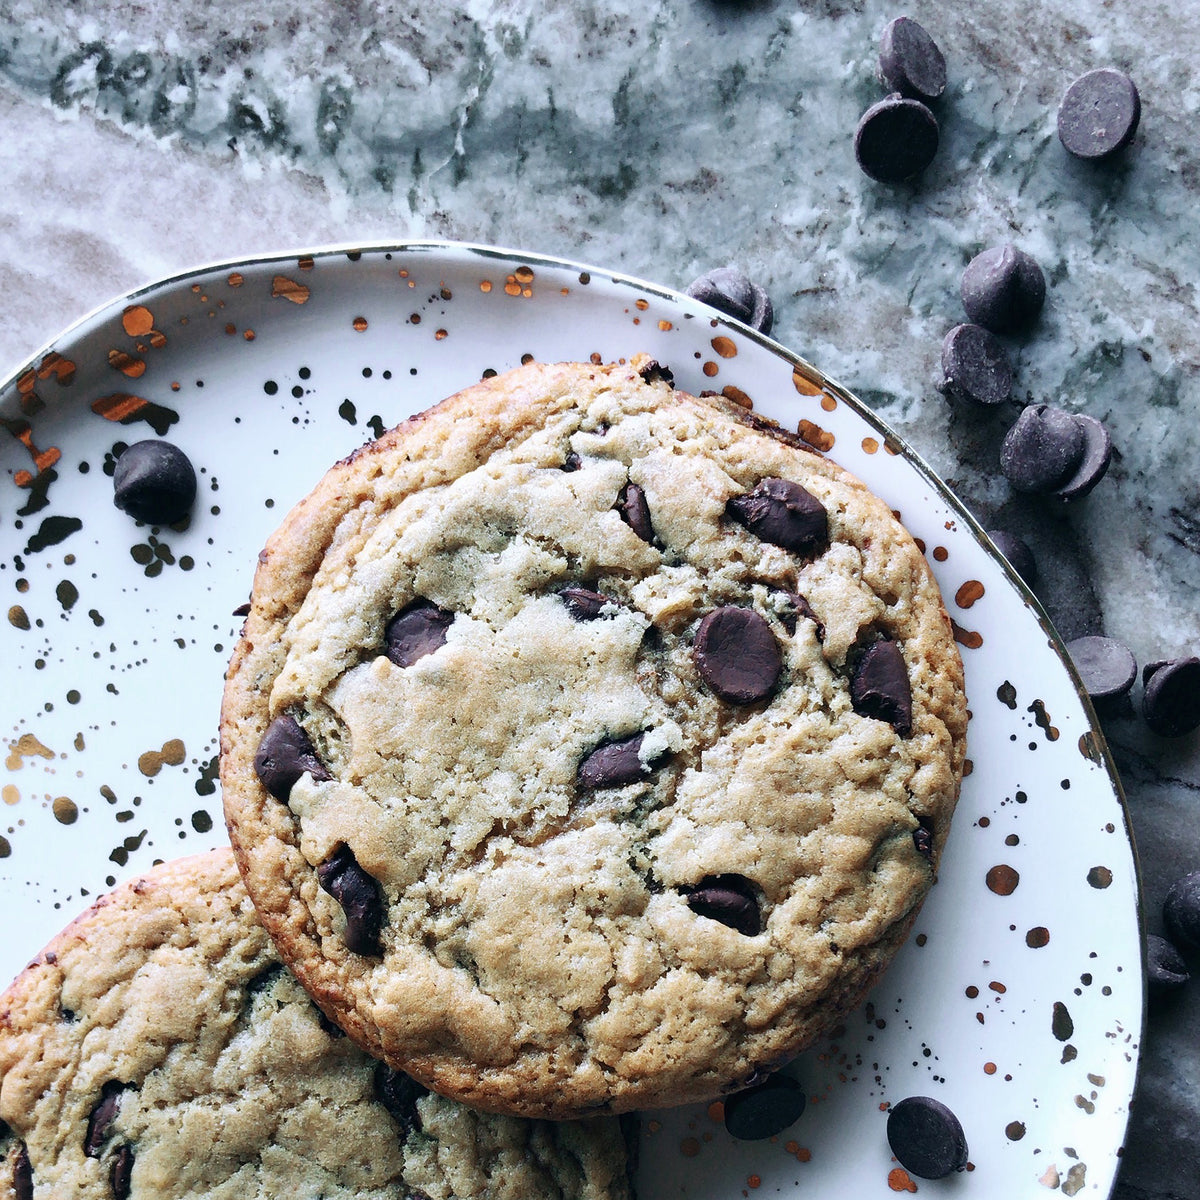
(732, 292)
(1099, 114)
(22, 1175)
(101, 1117)
(880, 687)
(1003, 289)
(416, 630)
(635, 512)
(399, 1093)
(572, 462)
(283, 755)
(585, 605)
(614, 764)
(783, 513)
(737, 655)
(923, 841)
(764, 1110)
(896, 139)
(910, 61)
(730, 899)
(154, 482)
(654, 370)
(358, 894)
(926, 1137)
(122, 1173)
(800, 607)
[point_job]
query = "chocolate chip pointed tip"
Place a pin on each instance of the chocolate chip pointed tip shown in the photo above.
(1093, 462)
(1166, 970)
(1181, 912)
(1018, 553)
(1043, 449)
(1171, 697)
(1003, 289)
(731, 291)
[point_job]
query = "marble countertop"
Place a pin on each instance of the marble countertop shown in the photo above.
(663, 138)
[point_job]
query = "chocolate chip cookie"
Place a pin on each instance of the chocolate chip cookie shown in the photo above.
(158, 1047)
(589, 745)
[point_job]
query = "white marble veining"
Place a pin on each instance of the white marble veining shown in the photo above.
(661, 138)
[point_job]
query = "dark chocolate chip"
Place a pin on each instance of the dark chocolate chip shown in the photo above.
(283, 755)
(121, 1176)
(975, 366)
(923, 840)
(896, 139)
(654, 371)
(1181, 912)
(926, 1137)
(1165, 969)
(1171, 699)
(880, 687)
(730, 899)
(614, 764)
(399, 1093)
(764, 1110)
(359, 895)
(737, 655)
(910, 62)
(572, 462)
(154, 482)
(635, 512)
(783, 513)
(1042, 450)
(1003, 289)
(242, 610)
(1106, 666)
(1093, 463)
(101, 1117)
(798, 607)
(1019, 555)
(416, 630)
(585, 605)
(22, 1175)
(1099, 114)
(733, 292)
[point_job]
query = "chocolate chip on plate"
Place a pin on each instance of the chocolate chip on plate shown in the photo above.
(1181, 912)
(103, 1113)
(635, 511)
(1003, 289)
(1171, 696)
(783, 513)
(896, 139)
(284, 754)
(910, 62)
(879, 687)
(926, 1137)
(1093, 463)
(416, 630)
(1106, 666)
(1043, 448)
(358, 894)
(615, 763)
(975, 366)
(1165, 969)
(730, 899)
(767, 1108)
(584, 604)
(734, 293)
(154, 482)
(1099, 114)
(737, 655)
(1019, 556)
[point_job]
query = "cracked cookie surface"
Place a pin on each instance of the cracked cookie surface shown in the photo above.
(158, 1047)
(589, 745)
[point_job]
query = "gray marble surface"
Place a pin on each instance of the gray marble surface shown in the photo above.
(664, 137)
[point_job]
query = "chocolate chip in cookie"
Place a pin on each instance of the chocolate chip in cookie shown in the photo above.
(785, 514)
(284, 754)
(635, 511)
(358, 894)
(730, 899)
(880, 687)
(416, 630)
(737, 655)
(615, 764)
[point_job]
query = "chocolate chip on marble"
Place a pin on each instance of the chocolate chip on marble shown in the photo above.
(359, 895)
(737, 655)
(635, 511)
(975, 366)
(880, 688)
(654, 370)
(416, 630)
(735, 294)
(154, 482)
(399, 1093)
(121, 1176)
(615, 763)
(1019, 555)
(926, 1137)
(1093, 463)
(101, 1117)
(1003, 289)
(1181, 912)
(910, 62)
(1166, 971)
(284, 754)
(22, 1175)
(1043, 449)
(1171, 696)
(767, 1108)
(1106, 666)
(1099, 114)
(896, 139)
(730, 899)
(783, 513)
(584, 604)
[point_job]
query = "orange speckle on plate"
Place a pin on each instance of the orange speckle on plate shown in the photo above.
(665, 326)
(716, 1111)
(828, 402)
(126, 363)
(870, 445)
(710, 369)
(137, 320)
(804, 385)
(289, 289)
(441, 335)
(970, 591)
(753, 1181)
(485, 285)
(642, 304)
(524, 274)
(249, 335)
(689, 1147)
(815, 436)
(966, 637)
(236, 279)
(989, 1068)
(899, 1180)
(512, 287)
(725, 347)
(360, 324)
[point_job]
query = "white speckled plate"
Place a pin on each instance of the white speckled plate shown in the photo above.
(1018, 1002)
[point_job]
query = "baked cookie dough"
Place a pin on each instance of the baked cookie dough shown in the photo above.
(158, 1048)
(589, 745)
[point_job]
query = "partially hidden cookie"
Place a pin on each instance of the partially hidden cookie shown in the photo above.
(158, 1048)
(589, 745)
